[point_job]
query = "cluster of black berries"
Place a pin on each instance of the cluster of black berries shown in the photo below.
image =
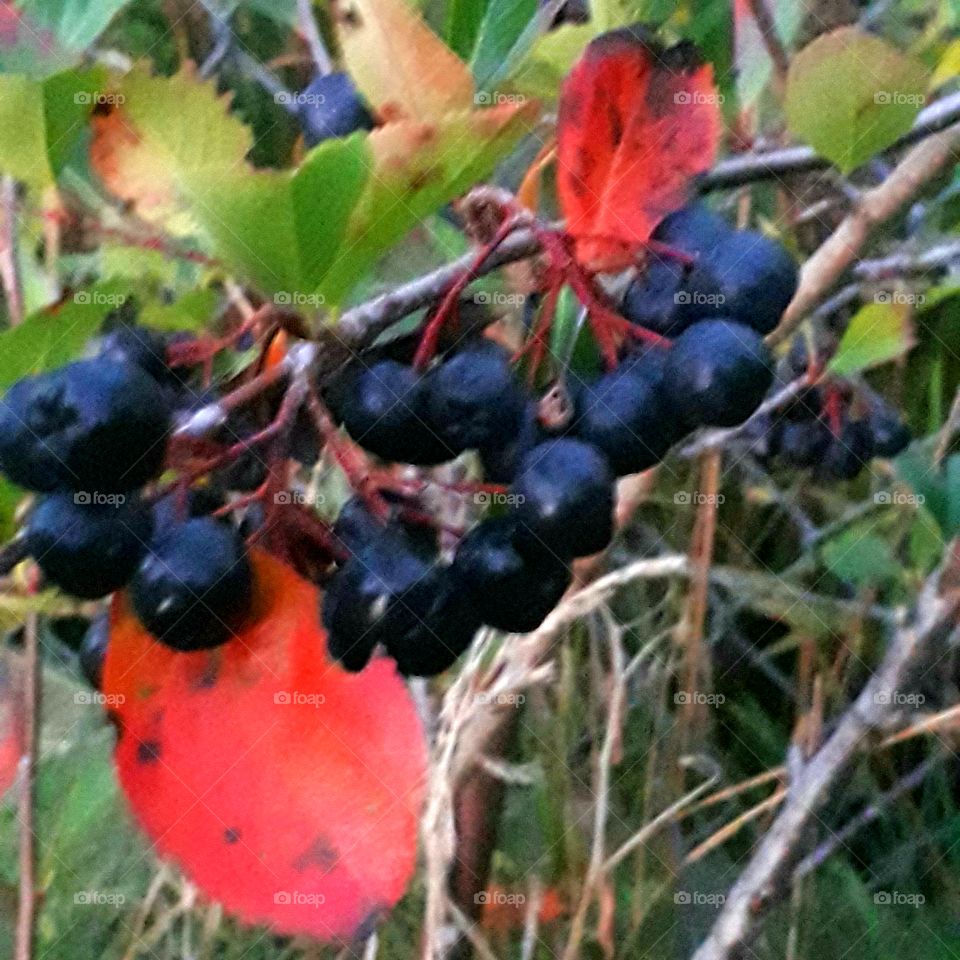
(511, 570)
(87, 438)
(819, 431)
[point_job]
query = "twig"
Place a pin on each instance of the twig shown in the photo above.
(866, 816)
(9, 268)
(26, 912)
(771, 164)
(833, 257)
(308, 27)
(768, 31)
(765, 879)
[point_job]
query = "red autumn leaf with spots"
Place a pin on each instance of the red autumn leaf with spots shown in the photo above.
(286, 788)
(636, 124)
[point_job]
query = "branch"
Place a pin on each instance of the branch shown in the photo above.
(767, 876)
(837, 253)
(362, 324)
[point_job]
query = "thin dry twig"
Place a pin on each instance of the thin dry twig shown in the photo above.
(766, 878)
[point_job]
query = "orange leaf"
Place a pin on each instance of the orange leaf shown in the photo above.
(636, 123)
(404, 69)
(11, 718)
(286, 788)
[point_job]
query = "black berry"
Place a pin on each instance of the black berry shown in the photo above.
(509, 590)
(437, 624)
(473, 399)
(890, 434)
(623, 415)
(564, 490)
(384, 411)
(88, 549)
(847, 453)
(717, 373)
(331, 107)
(93, 650)
(94, 425)
(193, 586)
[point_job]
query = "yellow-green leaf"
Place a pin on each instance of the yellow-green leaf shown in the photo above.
(850, 95)
(878, 333)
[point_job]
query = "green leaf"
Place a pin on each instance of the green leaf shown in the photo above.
(502, 28)
(54, 336)
(550, 59)
(462, 27)
(74, 23)
(418, 168)
(284, 230)
(860, 557)
(191, 312)
(41, 122)
(850, 95)
(878, 333)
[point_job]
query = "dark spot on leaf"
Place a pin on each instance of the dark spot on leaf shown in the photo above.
(207, 677)
(117, 721)
(149, 751)
(321, 853)
(231, 835)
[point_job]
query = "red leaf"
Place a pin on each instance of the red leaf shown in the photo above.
(285, 787)
(636, 123)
